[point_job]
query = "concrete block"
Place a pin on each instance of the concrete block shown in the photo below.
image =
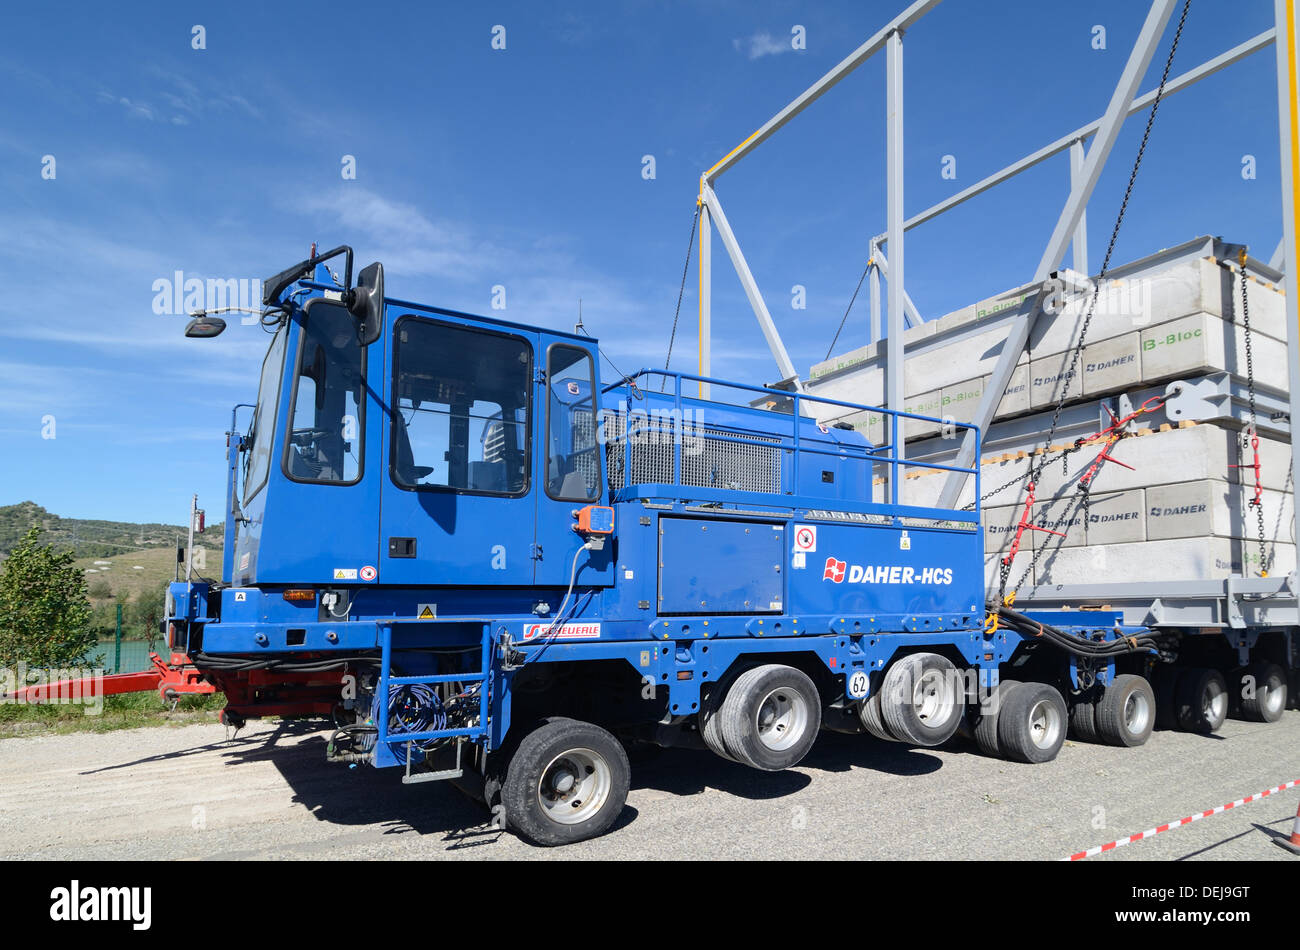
(1215, 508)
(926, 404)
(1158, 561)
(1111, 365)
(999, 526)
(1122, 306)
(1015, 400)
(1197, 452)
(1202, 343)
(1047, 380)
(1019, 565)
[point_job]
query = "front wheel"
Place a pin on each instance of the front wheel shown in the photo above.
(566, 782)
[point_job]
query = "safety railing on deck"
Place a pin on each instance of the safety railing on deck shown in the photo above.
(794, 441)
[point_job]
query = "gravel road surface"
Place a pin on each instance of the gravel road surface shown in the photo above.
(193, 793)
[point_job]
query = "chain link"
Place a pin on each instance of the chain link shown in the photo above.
(1036, 470)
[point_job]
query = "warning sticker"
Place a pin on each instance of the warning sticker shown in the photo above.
(426, 612)
(368, 573)
(805, 537)
(562, 631)
(345, 573)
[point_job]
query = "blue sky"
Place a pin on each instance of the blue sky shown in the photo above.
(523, 167)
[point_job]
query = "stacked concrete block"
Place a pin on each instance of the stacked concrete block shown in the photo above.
(1182, 509)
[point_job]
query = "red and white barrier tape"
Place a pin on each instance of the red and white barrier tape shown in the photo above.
(1091, 852)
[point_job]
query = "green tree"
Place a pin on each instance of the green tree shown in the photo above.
(44, 610)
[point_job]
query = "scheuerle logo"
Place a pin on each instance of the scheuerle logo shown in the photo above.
(76, 903)
(838, 572)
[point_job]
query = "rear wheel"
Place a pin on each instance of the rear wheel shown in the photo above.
(1165, 685)
(872, 718)
(1263, 692)
(770, 717)
(1126, 711)
(1083, 720)
(920, 699)
(986, 727)
(1031, 723)
(566, 782)
(1202, 700)
(711, 724)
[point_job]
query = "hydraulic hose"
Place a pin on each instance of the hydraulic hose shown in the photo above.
(1073, 643)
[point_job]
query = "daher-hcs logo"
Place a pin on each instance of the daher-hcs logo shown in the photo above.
(837, 572)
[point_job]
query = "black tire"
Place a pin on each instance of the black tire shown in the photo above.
(1267, 700)
(711, 723)
(770, 717)
(559, 753)
(1032, 723)
(1083, 721)
(1201, 701)
(1126, 712)
(1165, 685)
(986, 726)
(872, 718)
(920, 701)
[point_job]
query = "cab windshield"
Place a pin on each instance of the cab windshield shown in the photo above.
(328, 399)
(262, 427)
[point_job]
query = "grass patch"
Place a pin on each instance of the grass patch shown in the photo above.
(127, 711)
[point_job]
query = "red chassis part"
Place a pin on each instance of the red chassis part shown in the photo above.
(250, 693)
(170, 680)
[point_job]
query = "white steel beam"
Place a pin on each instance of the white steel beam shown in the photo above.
(875, 294)
(1278, 260)
(728, 237)
(911, 315)
(894, 216)
(1107, 133)
(1079, 243)
(818, 89)
(1208, 68)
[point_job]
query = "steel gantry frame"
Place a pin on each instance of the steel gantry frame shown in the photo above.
(1086, 165)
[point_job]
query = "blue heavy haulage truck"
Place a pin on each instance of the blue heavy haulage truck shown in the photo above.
(487, 565)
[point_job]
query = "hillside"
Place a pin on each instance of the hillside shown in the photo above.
(89, 538)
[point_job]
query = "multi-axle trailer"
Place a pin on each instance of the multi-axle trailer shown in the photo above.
(444, 531)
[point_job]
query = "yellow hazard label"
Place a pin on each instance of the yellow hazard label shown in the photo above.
(426, 612)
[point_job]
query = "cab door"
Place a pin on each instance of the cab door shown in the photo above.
(457, 506)
(571, 462)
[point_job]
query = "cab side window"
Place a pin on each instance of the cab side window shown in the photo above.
(572, 455)
(461, 409)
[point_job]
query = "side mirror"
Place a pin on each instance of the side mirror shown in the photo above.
(204, 327)
(366, 302)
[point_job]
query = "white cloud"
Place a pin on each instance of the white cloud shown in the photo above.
(761, 44)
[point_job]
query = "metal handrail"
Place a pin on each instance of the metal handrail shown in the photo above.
(795, 445)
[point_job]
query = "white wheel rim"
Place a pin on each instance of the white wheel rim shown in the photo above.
(1272, 698)
(781, 719)
(1044, 724)
(1137, 713)
(1214, 703)
(574, 786)
(930, 696)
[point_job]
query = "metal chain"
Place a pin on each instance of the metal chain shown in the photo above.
(1252, 432)
(1036, 470)
(871, 262)
(681, 292)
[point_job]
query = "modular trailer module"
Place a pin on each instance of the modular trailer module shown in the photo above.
(443, 531)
